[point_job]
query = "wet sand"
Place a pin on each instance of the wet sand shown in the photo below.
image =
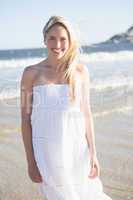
(114, 143)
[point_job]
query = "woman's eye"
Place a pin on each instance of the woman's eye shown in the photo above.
(63, 39)
(52, 38)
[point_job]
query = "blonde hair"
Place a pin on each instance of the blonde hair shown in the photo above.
(68, 62)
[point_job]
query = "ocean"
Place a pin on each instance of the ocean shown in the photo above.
(111, 76)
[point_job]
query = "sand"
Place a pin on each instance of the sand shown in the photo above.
(114, 143)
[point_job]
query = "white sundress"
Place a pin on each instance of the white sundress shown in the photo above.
(60, 147)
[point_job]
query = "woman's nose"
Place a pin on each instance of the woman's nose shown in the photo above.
(57, 44)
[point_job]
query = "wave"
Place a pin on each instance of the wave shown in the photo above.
(105, 56)
(125, 110)
(85, 58)
(117, 83)
(115, 86)
(16, 63)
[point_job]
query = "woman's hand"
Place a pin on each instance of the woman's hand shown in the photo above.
(34, 173)
(95, 168)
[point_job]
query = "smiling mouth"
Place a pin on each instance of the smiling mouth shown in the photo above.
(58, 50)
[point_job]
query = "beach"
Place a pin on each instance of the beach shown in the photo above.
(14, 181)
(114, 136)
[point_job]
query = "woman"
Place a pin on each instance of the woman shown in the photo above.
(57, 125)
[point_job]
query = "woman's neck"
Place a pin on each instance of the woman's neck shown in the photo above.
(53, 64)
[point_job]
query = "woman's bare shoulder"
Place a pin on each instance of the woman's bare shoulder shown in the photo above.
(29, 74)
(33, 69)
(30, 70)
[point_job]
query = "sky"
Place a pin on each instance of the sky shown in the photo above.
(21, 22)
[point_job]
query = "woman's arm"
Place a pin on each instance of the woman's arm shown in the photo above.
(26, 106)
(26, 109)
(86, 107)
(90, 136)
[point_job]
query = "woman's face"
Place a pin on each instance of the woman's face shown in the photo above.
(57, 41)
